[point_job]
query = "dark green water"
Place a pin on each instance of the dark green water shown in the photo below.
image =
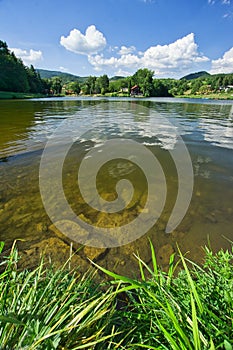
(207, 130)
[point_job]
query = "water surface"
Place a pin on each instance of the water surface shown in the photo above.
(206, 128)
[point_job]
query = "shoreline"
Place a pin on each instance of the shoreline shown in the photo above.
(7, 95)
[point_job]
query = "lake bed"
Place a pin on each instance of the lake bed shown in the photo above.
(206, 127)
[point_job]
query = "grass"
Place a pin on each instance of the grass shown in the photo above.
(212, 96)
(187, 308)
(7, 95)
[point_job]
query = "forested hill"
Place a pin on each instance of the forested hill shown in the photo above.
(196, 75)
(15, 76)
(65, 77)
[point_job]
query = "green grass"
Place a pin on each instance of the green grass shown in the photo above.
(188, 307)
(212, 96)
(5, 95)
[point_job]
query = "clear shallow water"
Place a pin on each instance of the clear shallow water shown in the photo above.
(206, 128)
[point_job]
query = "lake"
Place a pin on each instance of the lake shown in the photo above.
(160, 128)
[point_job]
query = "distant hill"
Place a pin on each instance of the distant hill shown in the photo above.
(66, 77)
(116, 77)
(195, 75)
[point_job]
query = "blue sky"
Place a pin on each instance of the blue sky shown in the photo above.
(117, 37)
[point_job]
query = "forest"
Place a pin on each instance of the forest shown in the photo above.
(16, 77)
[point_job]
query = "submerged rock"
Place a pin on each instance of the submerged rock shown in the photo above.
(94, 253)
(212, 218)
(164, 254)
(68, 227)
(53, 250)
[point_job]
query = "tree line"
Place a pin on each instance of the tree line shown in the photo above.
(16, 77)
(148, 86)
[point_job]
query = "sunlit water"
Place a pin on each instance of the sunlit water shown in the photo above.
(206, 128)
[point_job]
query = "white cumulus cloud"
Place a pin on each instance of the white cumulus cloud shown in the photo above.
(28, 56)
(91, 42)
(166, 60)
(179, 55)
(124, 62)
(224, 64)
(124, 50)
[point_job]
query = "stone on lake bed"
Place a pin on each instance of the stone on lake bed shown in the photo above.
(164, 254)
(211, 217)
(53, 250)
(94, 253)
(70, 232)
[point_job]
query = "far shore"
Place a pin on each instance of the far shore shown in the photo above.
(7, 95)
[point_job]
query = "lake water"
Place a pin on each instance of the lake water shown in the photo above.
(206, 128)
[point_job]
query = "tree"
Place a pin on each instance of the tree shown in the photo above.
(4, 48)
(34, 80)
(56, 85)
(74, 87)
(13, 76)
(196, 84)
(144, 79)
(46, 86)
(89, 86)
(102, 83)
(117, 85)
(160, 89)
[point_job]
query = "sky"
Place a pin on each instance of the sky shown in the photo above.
(117, 37)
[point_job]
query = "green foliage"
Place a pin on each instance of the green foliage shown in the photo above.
(103, 84)
(160, 88)
(186, 310)
(14, 76)
(34, 80)
(46, 309)
(195, 75)
(191, 311)
(65, 77)
(56, 85)
(144, 79)
(72, 88)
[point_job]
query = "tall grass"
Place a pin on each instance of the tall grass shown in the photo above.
(47, 309)
(187, 309)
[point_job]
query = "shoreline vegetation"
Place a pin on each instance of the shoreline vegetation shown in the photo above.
(8, 95)
(188, 307)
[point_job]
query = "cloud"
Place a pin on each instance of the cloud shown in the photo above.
(126, 50)
(63, 69)
(223, 2)
(28, 56)
(224, 64)
(147, 1)
(91, 43)
(124, 62)
(166, 60)
(181, 54)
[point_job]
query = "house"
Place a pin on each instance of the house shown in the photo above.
(124, 90)
(228, 88)
(135, 90)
